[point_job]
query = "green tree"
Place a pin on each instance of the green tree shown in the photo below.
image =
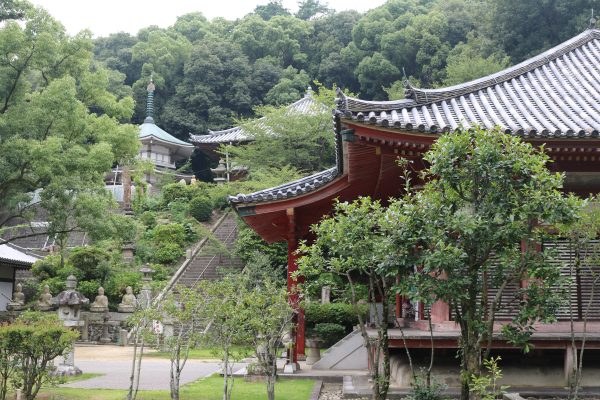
(470, 60)
(308, 9)
(60, 129)
(184, 312)
(270, 318)
(228, 315)
(271, 9)
(285, 137)
(350, 244)
(12, 9)
(486, 195)
(514, 25)
(36, 339)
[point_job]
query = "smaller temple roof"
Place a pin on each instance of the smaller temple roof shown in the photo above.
(150, 130)
(14, 255)
(288, 190)
(553, 95)
(237, 134)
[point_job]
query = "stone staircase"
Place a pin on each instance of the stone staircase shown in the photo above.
(209, 259)
(347, 354)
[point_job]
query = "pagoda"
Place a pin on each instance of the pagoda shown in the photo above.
(551, 100)
(160, 147)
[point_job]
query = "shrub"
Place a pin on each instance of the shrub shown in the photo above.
(28, 347)
(330, 333)
(201, 208)
(421, 390)
(92, 261)
(169, 234)
(173, 192)
(168, 253)
(337, 313)
(148, 218)
(88, 288)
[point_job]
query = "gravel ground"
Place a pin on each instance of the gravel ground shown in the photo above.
(333, 391)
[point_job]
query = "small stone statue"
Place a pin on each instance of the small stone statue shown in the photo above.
(18, 300)
(45, 301)
(100, 304)
(129, 301)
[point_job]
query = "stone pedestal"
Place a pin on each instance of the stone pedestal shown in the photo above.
(325, 294)
(67, 366)
(314, 351)
(290, 368)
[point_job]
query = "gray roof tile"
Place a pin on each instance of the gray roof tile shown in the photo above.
(555, 94)
(287, 190)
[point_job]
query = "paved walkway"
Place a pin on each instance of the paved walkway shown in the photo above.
(114, 363)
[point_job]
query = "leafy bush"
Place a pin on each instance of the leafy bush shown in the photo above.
(92, 261)
(88, 288)
(148, 218)
(201, 208)
(168, 253)
(330, 333)
(420, 390)
(27, 348)
(337, 313)
(173, 192)
(169, 234)
(248, 243)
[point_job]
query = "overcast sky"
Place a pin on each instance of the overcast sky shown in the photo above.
(108, 16)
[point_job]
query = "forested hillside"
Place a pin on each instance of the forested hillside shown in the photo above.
(210, 73)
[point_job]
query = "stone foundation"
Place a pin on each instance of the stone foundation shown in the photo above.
(539, 368)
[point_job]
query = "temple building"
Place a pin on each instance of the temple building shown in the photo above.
(160, 147)
(210, 143)
(552, 99)
(12, 260)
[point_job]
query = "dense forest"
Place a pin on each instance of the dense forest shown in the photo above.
(211, 73)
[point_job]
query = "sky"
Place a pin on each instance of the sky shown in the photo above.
(109, 16)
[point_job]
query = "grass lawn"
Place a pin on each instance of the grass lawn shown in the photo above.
(210, 388)
(204, 353)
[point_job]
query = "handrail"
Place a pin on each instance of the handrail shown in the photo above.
(185, 264)
(211, 260)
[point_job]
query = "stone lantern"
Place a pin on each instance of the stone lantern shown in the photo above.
(145, 296)
(69, 304)
(220, 172)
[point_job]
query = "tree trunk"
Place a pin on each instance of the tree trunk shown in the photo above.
(471, 366)
(271, 387)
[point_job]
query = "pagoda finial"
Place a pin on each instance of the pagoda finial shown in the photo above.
(593, 21)
(150, 102)
(309, 91)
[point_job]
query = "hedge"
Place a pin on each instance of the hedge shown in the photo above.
(343, 314)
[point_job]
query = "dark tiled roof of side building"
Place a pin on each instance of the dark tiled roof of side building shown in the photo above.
(288, 190)
(237, 134)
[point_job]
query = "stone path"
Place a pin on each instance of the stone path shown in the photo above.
(114, 363)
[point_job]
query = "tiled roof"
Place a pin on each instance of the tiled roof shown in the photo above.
(150, 129)
(287, 190)
(237, 134)
(11, 254)
(555, 94)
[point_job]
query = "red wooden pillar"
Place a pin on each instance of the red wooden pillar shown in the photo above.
(440, 310)
(298, 349)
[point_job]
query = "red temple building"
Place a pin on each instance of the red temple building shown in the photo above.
(552, 99)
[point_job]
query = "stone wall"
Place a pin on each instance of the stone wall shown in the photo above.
(93, 326)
